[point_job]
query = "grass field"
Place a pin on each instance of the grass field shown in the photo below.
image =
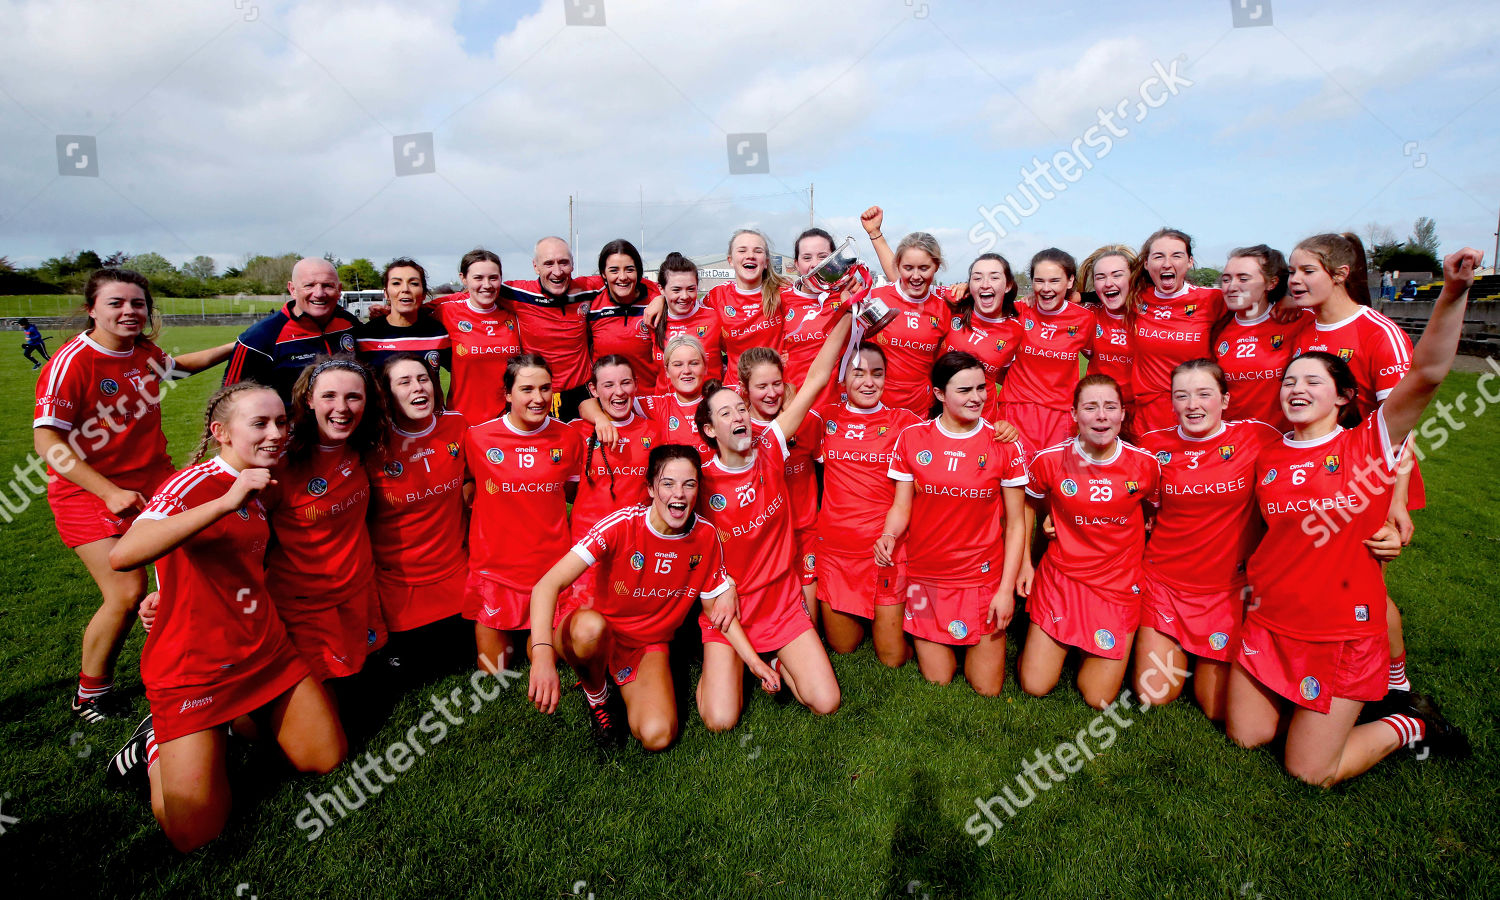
(69, 304)
(871, 802)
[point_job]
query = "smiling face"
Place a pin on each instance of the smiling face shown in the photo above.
(681, 293)
(674, 493)
(749, 258)
(916, 268)
(811, 251)
(337, 400)
(729, 421)
(1309, 284)
(530, 398)
(865, 380)
(315, 288)
(963, 398)
(411, 388)
(622, 276)
(1309, 395)
(1099, 415)
(553, 262)
(482, 281)
(1050, 284)
(614, 388)
(120, 311)
(988, 284)
(685, 367)
(254, 432)
(766, 388)
(1198, 401)
(404, 291)
(1112, 281)
(1168, 262)
(1244, 285)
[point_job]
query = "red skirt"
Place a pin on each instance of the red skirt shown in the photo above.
(180, 711)
(1075, 614)
(1204, 624)
(949, 615)
(854, 585)
(1312, 673)
(772, 616)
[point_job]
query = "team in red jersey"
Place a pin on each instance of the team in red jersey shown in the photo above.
(218, 651)
(98, 427)
(987, 326)
(1172, 317)
(417, 488)
(1086, 593)
(858, 436)
(320, 570)
(1252, 346)
(1107, 273)
(912, 340)
(614, 465)
(808, 317)
(750, 305)
(959, 504)
(654, 562)
(1314, 635)
(484, 335)
(675, 411)
(526, 468)
(686, 314)
(617, 317)
(1058, 334)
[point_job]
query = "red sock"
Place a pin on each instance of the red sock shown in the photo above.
(91, 686)
(1408, 728)
(1396, 680)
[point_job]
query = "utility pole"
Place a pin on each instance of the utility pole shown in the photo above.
(1495, 260)
(642, 189)
(570, 223)
(811, 204)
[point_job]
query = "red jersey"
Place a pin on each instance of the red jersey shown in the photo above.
(856, 451)
(483, 342)
(1312, 576)
(702, 323)
(956, 537)
(1046, 369)
(1253, 354)
(554, 326)
(911, 345)
(613, 476)
(806, 323)
(318, 508)
(749, 507)
(113, 399)
(519, 525)
(216, 617)
(745, 323)
(801, 476)
(675, 419)
(417, 503)
(1097, 509)
(1377, 350)
(623, 330)
(994, 342)
(648, 581)
(1112, 355)
(1207, 524)
(1172, 330)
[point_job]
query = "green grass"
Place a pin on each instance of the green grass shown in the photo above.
(861, 804)
(70, 304)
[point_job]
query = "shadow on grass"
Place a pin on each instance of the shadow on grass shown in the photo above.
(930, 855)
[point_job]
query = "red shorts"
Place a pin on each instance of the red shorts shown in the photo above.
(772, 616)
(1312, 673)
(1075, 614)
(806, 542)
(407, 606)
(1040, 426)
(624, 661)
(854, 585)
(495, 605)
(1154, 412)
(180, 711)
(334, 638)
(948, 615)
(82, 518)
(1204, 624)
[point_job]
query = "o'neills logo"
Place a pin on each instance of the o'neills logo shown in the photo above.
(196, 704)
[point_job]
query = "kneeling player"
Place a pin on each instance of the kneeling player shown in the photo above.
(653, 562)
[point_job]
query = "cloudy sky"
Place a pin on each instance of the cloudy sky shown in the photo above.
(231, 127)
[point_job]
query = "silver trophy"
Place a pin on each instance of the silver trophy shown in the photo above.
(843, 270)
